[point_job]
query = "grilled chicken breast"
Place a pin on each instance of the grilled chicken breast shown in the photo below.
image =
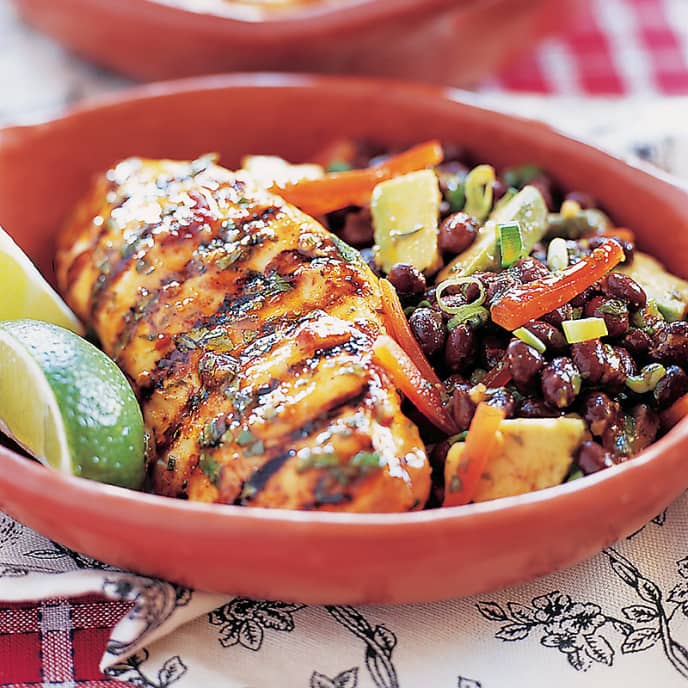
(246, 330)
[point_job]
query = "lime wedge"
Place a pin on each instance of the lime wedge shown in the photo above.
(26, 294)
(68, 404)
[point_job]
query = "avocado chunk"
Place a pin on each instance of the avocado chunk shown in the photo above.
(405, 213)
(669, 292)
(535, 453)
(528, 208)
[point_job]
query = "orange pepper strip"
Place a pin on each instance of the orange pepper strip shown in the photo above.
(406, 376)
(354, 187)
(530, 301)
(619, 232)
(678, 410)
(481, 445)
(399, 328)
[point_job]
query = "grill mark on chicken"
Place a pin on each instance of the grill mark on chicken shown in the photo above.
(247, 337)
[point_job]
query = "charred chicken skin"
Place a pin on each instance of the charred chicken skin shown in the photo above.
(246, 330)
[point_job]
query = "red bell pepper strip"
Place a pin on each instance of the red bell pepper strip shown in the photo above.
(354, 187)
(532, 300)
(482, 443)
(420, 392)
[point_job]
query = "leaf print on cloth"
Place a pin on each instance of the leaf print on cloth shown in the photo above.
(154, 602)
(347, 679)
(468, 683)
(380, 643)
(571, 627)
(244, 622)
(130, 671)
(655, 613)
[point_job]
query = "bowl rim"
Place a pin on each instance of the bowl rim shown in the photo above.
(37, 473)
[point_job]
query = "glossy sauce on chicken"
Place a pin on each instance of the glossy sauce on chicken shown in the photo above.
(246, 329)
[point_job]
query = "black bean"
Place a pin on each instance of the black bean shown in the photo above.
(529, 269)
(558, 315)
(584, 200)
(498, 284)
(614, 312)
(499, 188)
(457, 232)
(428, 328)
(623, 287)
(406, 279)
(462, 408)
(672, 386)
(544, 185)
(561, 382)
(502, 398)
(460, 349)
(549, 335)
(493, 351)
(645, 426)
(582, 299)
(455, 380)
(536, 408)
(438, 456)
(670, 343)
(358, 228)
(600, 412)
(369, 257)
(602, 363)
(592, 458)
(525, 363)
(637, 342)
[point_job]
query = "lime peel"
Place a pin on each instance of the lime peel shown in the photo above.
(67, 404)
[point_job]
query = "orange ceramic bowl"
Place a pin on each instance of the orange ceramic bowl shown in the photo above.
(325, 557)
(444, 41)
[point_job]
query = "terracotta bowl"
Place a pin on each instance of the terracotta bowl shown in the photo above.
(444, 41)
(321, 557)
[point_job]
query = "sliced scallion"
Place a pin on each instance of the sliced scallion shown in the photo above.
(527, 337)
(466, 313)
(459, 282)
(557, 255)
(510, 243)
(478, 191)
(584, 329)
(646, 380)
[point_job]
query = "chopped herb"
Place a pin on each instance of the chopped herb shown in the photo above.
(229, 258)
(339, 166)
(216, 369)
(144, 266)
(574, 475)
(185, 342)
(324, 459)
(256, 449)
(212, 432)
(614, 307)
(245, 438)
(211, 468)
(455, 484)
(217, 341)
(366, 459)
(171, 462)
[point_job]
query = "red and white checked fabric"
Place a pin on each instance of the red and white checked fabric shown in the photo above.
(58, 643)
(612, 47)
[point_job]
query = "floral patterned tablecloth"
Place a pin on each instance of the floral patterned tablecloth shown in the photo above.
(619, 619)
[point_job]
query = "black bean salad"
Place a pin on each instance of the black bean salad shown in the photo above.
(560, 348)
